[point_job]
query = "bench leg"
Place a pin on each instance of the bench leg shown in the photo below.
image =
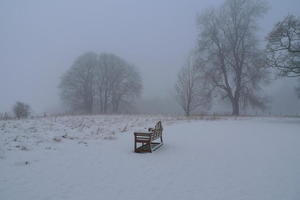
(150, 149)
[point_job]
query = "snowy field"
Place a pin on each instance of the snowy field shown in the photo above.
(91, 157)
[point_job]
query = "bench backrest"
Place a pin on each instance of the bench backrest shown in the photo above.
(157, 131)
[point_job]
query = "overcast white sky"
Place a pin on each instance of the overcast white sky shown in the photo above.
(40, 40)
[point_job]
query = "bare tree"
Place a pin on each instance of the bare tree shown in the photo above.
(127, 89)
(117, 83)
(77, 84)
(228, 51)
(191, 93)
(21, 110)
(283, 46)
(100, 83)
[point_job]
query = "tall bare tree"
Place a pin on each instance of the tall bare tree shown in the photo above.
(191, 93)
(228, 48)
(283, 46)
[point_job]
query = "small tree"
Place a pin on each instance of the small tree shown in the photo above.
(21, 110)
(191, 93)
(283, 47)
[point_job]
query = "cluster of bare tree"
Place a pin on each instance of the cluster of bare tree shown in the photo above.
(227, 64)
(228, 58)
(102, 83)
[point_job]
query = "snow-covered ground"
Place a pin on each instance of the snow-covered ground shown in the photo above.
(91, 157)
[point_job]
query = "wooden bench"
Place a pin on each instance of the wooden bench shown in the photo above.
(146, 139)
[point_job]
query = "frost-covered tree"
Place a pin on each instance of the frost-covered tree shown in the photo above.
(190, 91)
(21, 110)
(230, 57)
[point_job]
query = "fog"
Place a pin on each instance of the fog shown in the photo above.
(41, 39)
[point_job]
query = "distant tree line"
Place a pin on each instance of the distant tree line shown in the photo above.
(102, 83)
(228, 65)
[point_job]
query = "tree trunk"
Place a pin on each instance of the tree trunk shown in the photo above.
(235, 107)
(187, 110)
(187, 113)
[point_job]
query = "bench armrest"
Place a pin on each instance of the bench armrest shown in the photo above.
(151, 129)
